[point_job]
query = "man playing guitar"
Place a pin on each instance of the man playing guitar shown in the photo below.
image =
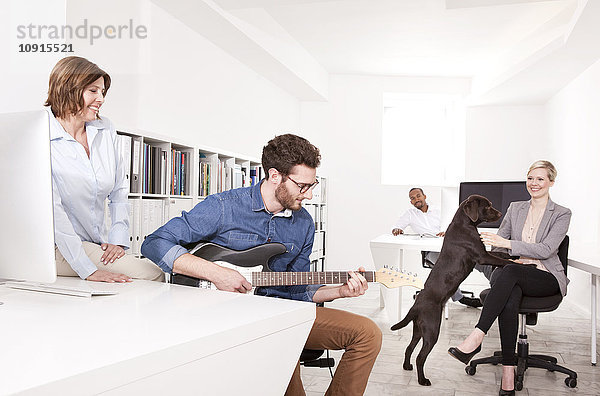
(271, 211)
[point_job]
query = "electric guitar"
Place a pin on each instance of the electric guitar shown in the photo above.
(253, 265)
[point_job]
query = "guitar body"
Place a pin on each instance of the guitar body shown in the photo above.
(253, 260)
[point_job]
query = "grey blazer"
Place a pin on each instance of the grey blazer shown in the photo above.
(551, 232)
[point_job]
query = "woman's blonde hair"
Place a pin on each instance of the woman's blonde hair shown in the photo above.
(69, 78)
(550, 169)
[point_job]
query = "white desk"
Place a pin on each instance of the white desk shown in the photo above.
(587, 258)
(151, 339)
(388, 250)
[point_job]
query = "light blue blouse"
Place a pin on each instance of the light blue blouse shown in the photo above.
(81, 185)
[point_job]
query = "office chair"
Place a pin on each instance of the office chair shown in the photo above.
(312, 358)
(528, 310)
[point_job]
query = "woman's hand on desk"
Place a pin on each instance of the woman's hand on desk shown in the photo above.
(110, 277)
(397, 231)
(440, 234)
(111, 253)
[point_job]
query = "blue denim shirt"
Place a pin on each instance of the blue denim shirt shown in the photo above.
(238, 219)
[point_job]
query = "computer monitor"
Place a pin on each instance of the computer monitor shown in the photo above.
(27, 233)
(501, 194)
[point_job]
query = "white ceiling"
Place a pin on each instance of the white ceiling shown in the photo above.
(511, 51)
(409, 37)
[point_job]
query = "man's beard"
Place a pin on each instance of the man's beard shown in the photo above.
(286, 199)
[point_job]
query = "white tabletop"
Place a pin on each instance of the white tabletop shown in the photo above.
(46, 337)
(412, 242)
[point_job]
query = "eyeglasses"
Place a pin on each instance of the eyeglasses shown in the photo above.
(304, 187)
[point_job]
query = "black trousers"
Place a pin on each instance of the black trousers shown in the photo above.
(509, 284)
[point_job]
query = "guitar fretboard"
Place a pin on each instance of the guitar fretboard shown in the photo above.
(304, 278)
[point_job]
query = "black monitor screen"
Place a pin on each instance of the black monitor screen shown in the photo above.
(501, 194)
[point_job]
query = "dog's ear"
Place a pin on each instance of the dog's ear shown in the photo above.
(471, 210)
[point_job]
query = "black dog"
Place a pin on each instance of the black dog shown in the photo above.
(462, 249)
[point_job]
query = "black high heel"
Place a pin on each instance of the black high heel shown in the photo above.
(463, 357)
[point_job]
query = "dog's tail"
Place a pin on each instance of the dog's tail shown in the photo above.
(407, 319)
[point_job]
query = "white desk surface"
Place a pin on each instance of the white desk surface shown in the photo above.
(584, 257)
(411, 242)
(46, 338)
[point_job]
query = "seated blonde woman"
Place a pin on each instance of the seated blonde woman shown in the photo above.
(532, 230)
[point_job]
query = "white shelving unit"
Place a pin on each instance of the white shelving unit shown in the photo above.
(166, 178)
(317, 208)
(220, 170)
(154, 199)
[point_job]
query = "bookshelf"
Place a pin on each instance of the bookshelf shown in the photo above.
(167, 177)
(317, 208)
(221, 171)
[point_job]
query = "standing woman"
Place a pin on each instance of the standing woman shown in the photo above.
(532, 230)
(86, 169)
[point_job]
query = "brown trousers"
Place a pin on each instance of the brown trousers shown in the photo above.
(128, 264)
(360, 338)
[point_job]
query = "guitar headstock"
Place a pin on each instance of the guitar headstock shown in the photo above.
(392, 278)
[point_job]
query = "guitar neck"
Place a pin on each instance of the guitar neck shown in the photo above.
(305, 278)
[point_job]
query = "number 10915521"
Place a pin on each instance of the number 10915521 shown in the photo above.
(46, 48)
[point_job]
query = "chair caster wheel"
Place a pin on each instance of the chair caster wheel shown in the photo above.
(470, 370)
(519, 385)
(571, 382)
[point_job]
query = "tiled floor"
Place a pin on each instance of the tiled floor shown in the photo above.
(562, 333)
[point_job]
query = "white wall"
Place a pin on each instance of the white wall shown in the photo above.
(199, 93)
(503, 141)
(573, 122)
(24, 76)
(564, 131)
(173, 83)
(347, 129)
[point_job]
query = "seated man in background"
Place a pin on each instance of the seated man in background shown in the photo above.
(271, 211)
(425, 220)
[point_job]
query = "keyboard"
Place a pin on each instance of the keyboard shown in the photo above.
(59, 289)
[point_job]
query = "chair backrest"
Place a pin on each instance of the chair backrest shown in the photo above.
(424, 261)
(563, 252)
